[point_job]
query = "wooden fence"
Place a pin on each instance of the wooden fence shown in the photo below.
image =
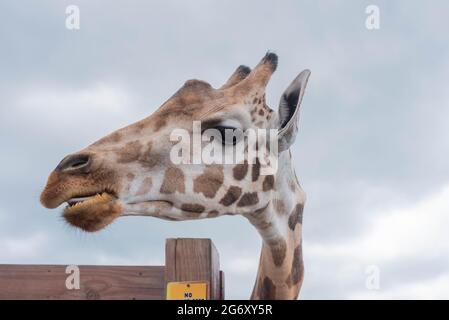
(185, 260)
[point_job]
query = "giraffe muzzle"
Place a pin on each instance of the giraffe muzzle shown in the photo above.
(90, 188)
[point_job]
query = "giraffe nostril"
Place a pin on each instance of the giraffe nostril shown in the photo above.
(74, 162)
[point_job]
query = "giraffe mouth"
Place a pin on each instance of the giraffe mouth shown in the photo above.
(94, 212)
(92, 200)
(75, 205)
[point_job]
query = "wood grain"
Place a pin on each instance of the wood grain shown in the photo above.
(39, 282)
(189, 259)
(222, 286)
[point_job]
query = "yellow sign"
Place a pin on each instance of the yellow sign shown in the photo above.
(194, 290)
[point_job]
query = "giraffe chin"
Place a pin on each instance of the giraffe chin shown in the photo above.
(94, 213)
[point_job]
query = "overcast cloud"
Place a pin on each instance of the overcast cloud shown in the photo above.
(371, 154)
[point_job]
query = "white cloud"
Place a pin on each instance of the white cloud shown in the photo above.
(395, 236)
(433, 289)
(241, 266)
(98, 97)
(83, 113)
(16, 248)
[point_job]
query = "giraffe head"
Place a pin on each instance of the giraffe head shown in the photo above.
(131, 171)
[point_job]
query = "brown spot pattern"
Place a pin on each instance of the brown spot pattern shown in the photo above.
(279, 251)
(148, 159)
(279, 206)
(130, 152)
(256, 214)
(295, 216)
(267, 289)
(213, 214)
(268, 183)
(292, 185)
(248, 199)
(145, 186)
(209, 181)
(256, 170)
(160, 123)
(112, 138)
(240, 170)
(231, 196)
(297, 267)
(173, 181)
(193, 209)
(139, 126)
(262, 224)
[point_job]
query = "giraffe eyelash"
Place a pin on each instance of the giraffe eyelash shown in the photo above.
(226, 130)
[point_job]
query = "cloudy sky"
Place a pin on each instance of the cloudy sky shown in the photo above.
(371, 154)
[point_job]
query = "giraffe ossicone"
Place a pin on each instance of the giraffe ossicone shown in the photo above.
(131, 172)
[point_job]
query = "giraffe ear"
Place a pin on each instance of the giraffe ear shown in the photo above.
(289, 110)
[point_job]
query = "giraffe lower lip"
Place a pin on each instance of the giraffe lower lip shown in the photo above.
(76, 204)
(93, 213)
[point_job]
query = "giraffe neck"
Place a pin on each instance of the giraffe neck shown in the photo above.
(281, 269)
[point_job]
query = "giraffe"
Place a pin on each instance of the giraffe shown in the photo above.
(129, 172)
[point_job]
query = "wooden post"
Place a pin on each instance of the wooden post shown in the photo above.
(194, 260)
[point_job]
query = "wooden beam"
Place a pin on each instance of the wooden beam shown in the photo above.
(194, 260)
(41, 282)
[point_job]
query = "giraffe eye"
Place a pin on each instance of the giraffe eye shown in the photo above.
(229, 135)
